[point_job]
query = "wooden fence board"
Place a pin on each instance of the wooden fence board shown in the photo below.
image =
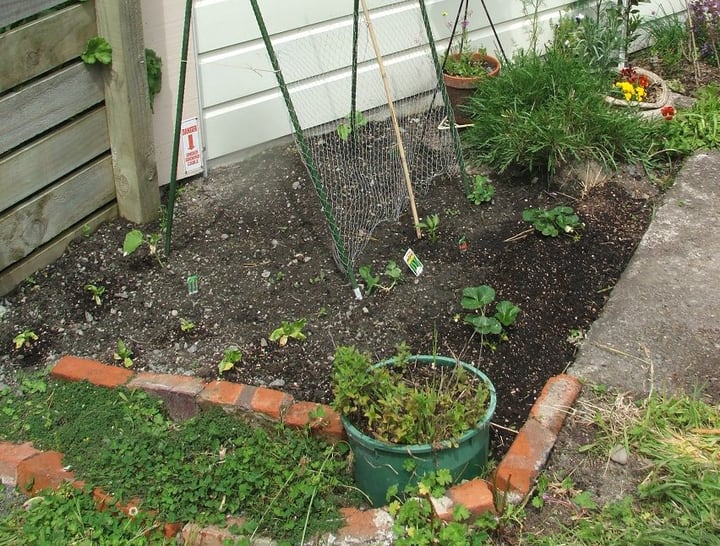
(30, 169)
(12, 11)
(48, 102)
(36, 221)
(34, 49)
(17, 273)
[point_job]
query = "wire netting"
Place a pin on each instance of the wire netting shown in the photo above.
(344, 124)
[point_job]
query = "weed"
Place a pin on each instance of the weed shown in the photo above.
(430, 226)
(123, 354)
(289, 330)
(696, 128)
(86, 230)
(153, 66)
(482, 190)
(231, 356)
(25, 339)
(97, 50)
(552, 222)
(96, 292)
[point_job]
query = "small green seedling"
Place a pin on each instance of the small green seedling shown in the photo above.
(371, 281)
(25, 338)
(430, 226)
(482, 190)
(289, 330)
(345, 128)
(394, 273)
(86, 230)
(96, 292)
(552, 222)
(477, 299)
(123, 354)
(186, 325)
(97, 50)
(136, 238)
(231, 356)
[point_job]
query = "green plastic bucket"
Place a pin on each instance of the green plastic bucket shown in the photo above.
(379, 465)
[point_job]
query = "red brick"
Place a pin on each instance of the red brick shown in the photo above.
(42, 471)
(475, 495)
(521, 465)
(221, 393)
(270, 403)
(10, 456)
(72, 368)
(194, 535)
(177, 391)
(555, 401)
(328, 426)
(365, 525)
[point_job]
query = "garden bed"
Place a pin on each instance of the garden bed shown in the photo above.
(255, 236)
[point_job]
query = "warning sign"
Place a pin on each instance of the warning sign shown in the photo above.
(192, 148)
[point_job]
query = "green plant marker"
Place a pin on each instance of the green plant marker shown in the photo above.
(192, 285)
(413, 262)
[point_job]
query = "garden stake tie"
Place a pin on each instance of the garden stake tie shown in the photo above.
(396, 127)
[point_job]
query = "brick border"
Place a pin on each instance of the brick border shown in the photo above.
(185, 396)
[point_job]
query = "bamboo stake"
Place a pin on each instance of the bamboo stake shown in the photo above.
(396, 127)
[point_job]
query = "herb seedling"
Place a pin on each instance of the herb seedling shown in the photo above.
(123, 354)
(289, 330)
(97, 50)
(25, 338)
(186, 325)
(482, 190)
(430, 225)
(477, 299)
(552, 222)
(231, 356)
(96, 292)
(135, 238)
(346, 127)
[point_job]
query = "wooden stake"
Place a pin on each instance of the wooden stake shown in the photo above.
(396, 127)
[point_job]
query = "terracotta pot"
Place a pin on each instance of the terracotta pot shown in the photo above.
(460, 88)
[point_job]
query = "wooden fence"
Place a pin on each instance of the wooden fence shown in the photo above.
(75, 140)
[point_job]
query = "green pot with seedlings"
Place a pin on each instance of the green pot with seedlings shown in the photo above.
(411, 415)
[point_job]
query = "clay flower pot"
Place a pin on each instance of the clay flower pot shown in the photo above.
(460, 88)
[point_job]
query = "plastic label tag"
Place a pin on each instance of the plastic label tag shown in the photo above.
(413, 262)
(192, 284)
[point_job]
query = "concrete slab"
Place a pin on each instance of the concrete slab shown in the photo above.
(661, 325)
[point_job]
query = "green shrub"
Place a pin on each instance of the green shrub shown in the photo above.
(545, 112)
(670, 43)
(696, 128)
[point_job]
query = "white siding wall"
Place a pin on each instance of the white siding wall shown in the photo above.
(238, 100)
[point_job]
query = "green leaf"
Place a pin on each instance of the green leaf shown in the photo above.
(506, 312)
(97, 49)
(484, 325)
(477, 297)
(132, 241)
(584, 501)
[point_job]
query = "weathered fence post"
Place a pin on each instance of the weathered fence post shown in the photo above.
(128, 111)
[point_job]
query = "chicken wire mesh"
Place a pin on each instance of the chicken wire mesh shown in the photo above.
(340, 92)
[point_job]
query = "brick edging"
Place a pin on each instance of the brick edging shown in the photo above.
(185, 396)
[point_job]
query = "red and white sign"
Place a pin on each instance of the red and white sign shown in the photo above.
(192, 147)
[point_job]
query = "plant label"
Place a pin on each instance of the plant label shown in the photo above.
(192, 284)
(413, 262)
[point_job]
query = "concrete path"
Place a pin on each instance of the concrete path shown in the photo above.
(660, 328)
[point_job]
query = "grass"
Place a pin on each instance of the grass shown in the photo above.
(286, 483)
(678, 439)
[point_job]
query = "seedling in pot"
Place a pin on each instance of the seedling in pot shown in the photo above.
(25, 339)
(430, 226)
(96, 292)
(136, 238)
(477, 299)
(482, 190)
(231, 356)
(289, 330)
(553, 222)
(123, 354)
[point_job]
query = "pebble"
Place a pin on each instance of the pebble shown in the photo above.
(619, 454)
(277, 383)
